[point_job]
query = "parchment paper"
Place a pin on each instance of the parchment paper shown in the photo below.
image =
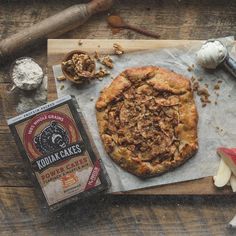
(216, 127)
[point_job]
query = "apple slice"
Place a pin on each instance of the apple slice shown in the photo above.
(232, 223)
(223, 175)
(229, 157)
(233, 183)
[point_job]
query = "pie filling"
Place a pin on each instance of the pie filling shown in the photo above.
(144, 120)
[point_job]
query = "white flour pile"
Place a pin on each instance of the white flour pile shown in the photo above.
(27, 74)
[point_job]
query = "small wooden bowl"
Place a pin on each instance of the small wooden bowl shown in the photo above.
(68, 76)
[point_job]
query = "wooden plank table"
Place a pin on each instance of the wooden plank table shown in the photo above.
(21, 212)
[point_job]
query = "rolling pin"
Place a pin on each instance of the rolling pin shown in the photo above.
(51, 27)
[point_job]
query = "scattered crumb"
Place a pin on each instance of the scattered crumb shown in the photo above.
(203, 91)
(101, 73)
(195, 86)
(229, 96)
(92, 98)
(193, 79)
(107, 61)
(219, 81)
(204, 99)
(62, 87)
(206, 85)
(80, 42)
(190, 69)
(118, 50)
(217, 87)
(97, 56)
(200, 79)
(61, 78)
(193, 65)
(204, 94)
(216, 103)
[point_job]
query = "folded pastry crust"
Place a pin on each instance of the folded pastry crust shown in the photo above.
(147, 120)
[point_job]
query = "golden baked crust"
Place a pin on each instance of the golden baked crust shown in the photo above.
(147, 120)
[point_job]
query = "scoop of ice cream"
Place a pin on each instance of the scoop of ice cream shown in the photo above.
(211, 54)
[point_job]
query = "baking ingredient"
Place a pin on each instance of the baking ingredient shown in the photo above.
(223, 175)
(80, 67)
(107, 61)
(229, 157)
(101, 73)
(55, 142)
(96, 56)
(202, 92)
(27, 74)
(216, 87)
(115, 21)
(61, 78)
(118, 49)
(211, 54)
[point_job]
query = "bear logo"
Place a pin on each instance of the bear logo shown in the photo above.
(51, 138)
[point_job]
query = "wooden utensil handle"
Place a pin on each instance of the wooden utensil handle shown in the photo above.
(50, 28)
(143, 31)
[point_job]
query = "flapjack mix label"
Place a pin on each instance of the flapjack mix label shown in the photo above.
(56, 143)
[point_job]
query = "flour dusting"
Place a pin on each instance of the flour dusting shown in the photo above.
(30, 101)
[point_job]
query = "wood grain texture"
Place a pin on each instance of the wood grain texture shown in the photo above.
(21, 213)
(171, 19)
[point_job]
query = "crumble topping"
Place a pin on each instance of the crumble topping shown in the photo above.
(144, 121)
(118, 50)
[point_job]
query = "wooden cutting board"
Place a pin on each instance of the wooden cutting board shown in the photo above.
(57, 48)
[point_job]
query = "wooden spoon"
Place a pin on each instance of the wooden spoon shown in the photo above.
(117, 22)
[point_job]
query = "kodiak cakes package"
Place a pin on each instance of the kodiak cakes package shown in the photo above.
(56, 145)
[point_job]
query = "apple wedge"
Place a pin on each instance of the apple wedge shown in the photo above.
(223, 175)
(229, 157)
(232, 223)
(233, 183)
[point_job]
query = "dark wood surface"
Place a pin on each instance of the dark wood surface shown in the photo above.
(22, 213)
